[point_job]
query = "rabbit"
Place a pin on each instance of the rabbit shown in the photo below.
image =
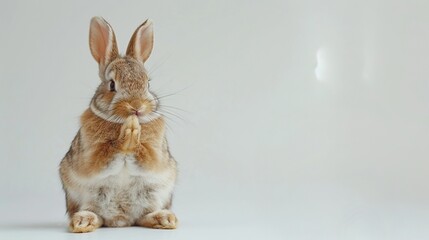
(119, 171)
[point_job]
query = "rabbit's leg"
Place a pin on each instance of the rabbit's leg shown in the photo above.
(85, 221)
(130, 133)
(163, 219)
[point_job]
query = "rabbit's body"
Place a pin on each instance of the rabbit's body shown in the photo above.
(119, 171)
(124, 189)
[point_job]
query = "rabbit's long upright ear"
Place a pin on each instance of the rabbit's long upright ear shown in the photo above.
(102, 41)
(141, 42)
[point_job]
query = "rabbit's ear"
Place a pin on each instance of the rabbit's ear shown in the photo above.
(102, 41)
(141, 42)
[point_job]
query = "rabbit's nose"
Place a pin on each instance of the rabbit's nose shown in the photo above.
(137, 113)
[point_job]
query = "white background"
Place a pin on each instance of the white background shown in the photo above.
(304, 119)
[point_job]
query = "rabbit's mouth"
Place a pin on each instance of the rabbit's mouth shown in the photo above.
(126, 108)
(146, 111)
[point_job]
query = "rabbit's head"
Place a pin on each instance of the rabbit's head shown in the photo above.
(124, 88)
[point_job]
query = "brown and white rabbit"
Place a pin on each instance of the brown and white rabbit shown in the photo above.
(119, 171)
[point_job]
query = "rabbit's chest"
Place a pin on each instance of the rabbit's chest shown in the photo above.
(124, 175)
(122, 181)
(122, 170)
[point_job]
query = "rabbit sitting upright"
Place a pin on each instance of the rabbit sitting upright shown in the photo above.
(119, 171)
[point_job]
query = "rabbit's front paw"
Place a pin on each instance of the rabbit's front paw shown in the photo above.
(130, 134)
(84, 221)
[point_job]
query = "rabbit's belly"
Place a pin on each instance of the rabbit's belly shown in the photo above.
(122, 200)
(124, 192)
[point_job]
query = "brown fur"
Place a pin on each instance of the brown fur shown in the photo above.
(105, 143)
(72, 207)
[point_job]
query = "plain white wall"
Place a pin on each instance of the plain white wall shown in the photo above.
(303, 118)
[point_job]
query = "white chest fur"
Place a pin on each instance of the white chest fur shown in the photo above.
(123, 189)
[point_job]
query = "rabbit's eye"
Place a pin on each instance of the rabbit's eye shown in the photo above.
(112, 86)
